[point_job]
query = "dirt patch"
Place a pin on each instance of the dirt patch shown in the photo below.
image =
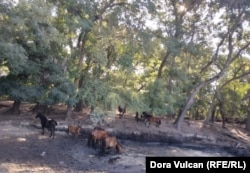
(24, 149)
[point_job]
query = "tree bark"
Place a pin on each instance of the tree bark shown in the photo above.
(210, 113)
(69, 112)
(191, 97)
(15, 108)
(223, 114)
(79, 106)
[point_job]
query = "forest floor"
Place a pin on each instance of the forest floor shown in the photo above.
(24, 149)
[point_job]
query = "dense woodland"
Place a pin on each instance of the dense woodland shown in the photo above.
(177, 58)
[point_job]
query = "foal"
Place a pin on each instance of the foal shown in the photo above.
(50, 124)
(75, 130)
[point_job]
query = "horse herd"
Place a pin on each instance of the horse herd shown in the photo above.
(98, 137)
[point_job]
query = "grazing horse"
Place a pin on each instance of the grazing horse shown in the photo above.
(50, 124)
(139, 118)
(111, 143)
(155, 120)
(95, 137)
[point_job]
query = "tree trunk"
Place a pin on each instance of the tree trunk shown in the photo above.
(213, 115)
(190, 99)
(184, 110)
(197, 88)
(69, 112)
(79, 106)
(211, 112)
(15, 108)
(163, 62)
(223, 115)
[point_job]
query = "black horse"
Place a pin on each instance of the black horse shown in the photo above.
(50, 124)
(122, 111)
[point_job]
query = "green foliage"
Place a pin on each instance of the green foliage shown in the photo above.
(14, 89)
(112, 100)
(31, 55)
(100, 116)
(13, 56)
(108, 53)
(94, 91)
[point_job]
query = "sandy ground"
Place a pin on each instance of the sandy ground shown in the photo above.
(24, 149)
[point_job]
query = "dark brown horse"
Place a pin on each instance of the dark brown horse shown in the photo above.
(50, 124)
(146, 115)
(122, 111)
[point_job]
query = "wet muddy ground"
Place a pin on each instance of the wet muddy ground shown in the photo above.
(24, 149)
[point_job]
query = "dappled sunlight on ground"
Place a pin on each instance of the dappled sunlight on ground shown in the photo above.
(21, 139)
(240, 133)
(19, 167)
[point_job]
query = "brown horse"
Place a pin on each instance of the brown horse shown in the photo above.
(111, 143)
(75, 130)
(153, 120)
(95, 137)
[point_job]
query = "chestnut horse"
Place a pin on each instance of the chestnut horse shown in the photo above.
(111, 143)
(154, 120)
(75, 130)
(95, 137)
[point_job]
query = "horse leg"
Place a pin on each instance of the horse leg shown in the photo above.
(89, 140)
(94, 143)
(103, 145)
(52, 131)
(42, 130)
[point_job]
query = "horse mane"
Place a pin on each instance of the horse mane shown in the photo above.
(41, 116)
